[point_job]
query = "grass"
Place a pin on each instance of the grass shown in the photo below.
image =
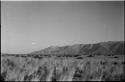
(100, 68)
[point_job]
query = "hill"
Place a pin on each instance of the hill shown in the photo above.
(102, 48)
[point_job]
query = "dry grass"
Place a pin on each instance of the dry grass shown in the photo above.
(62, 69)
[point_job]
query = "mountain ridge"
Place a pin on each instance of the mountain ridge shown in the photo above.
(101, 48)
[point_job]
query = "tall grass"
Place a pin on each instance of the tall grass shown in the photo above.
(62, 69)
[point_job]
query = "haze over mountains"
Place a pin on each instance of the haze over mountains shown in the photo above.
(102, 48)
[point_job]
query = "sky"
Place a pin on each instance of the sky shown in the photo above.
(28, 26)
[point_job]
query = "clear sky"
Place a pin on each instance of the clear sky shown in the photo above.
(30, 26)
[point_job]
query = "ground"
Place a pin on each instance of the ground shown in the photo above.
(54, 68)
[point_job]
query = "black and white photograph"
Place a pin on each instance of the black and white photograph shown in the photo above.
(62, 40)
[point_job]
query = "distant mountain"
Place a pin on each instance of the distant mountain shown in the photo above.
(102, 48)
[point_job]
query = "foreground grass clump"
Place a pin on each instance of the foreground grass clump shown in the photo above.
(62, 69)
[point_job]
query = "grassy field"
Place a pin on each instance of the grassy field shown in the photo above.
(80, 68)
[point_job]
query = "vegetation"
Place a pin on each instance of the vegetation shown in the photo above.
(101, 68)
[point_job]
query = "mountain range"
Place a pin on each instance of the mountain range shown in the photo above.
(101, 48)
